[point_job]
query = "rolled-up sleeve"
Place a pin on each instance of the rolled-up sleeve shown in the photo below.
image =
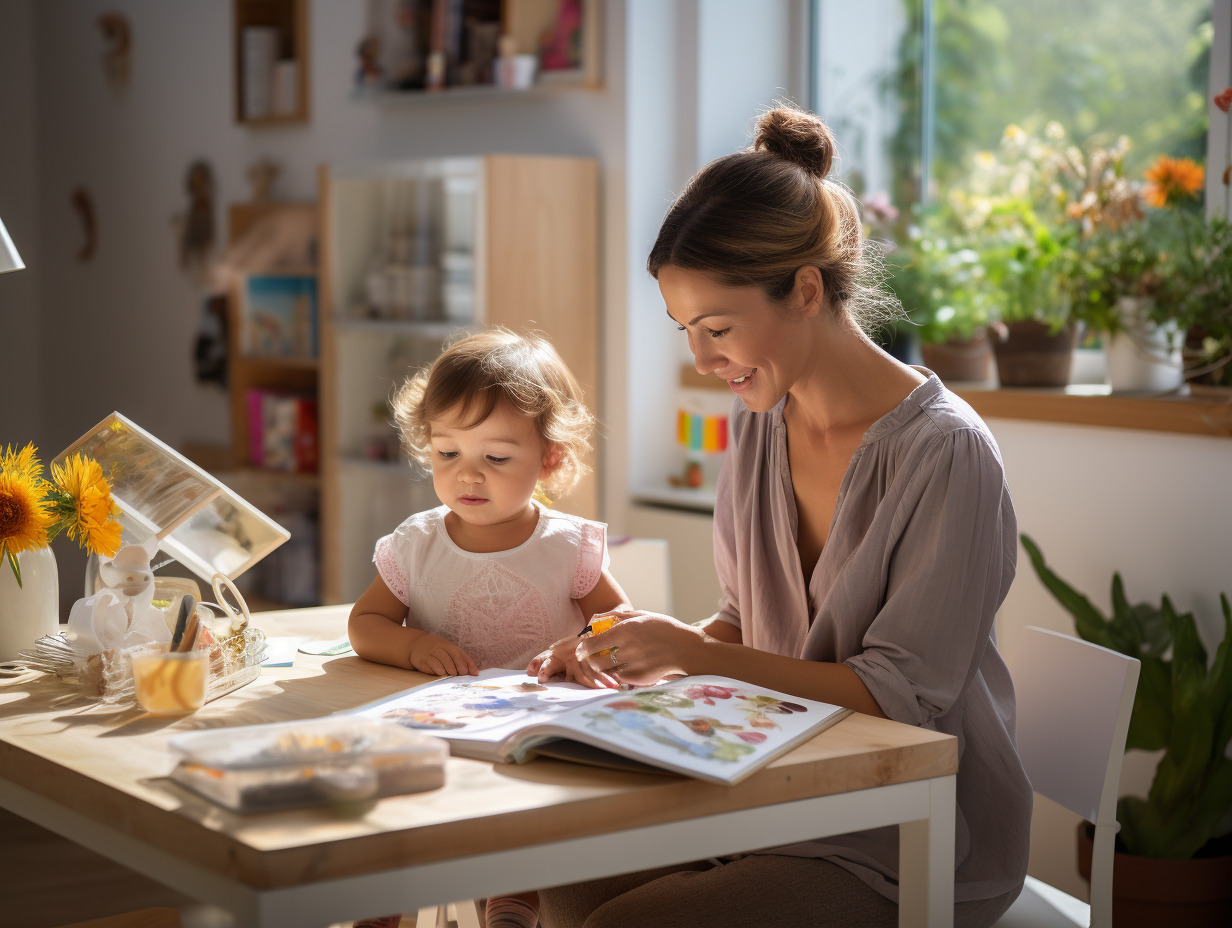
(945, 578)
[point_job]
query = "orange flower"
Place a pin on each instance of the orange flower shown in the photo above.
(1172, 179)
(1224, 100)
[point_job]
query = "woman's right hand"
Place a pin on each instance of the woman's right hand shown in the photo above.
(440, 657)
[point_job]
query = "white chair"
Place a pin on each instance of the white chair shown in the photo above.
(642, 568)
(1074, 699)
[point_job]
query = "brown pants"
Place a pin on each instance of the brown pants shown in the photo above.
(759, 891)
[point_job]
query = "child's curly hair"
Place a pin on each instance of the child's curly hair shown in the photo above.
(500, 366)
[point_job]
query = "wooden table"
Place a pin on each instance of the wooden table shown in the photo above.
(98, 776)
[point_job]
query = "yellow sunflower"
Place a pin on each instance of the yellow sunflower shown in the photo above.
(23, 462)
(24, 516)
(85, 506)
(1172, 179)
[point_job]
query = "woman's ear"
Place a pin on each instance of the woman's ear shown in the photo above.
(809, 294)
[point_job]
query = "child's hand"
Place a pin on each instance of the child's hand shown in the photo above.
(441, 657)
(560, 662)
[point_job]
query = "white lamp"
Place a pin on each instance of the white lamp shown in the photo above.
(10, 260)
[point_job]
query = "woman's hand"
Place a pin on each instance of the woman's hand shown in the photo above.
(440, 657)
(646, 648)
(560, 662)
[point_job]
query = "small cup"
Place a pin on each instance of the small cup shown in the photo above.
(170, 682)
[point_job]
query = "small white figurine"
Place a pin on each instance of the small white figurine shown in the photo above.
(120, 614)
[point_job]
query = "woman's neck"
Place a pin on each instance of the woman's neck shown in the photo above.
(847, 381)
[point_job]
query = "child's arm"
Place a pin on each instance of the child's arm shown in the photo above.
(378, 634)
(560, 661)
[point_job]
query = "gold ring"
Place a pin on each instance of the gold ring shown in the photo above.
(612, 653)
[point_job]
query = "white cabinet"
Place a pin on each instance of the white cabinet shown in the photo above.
(413, 252)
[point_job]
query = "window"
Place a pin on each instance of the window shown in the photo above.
(913, 89)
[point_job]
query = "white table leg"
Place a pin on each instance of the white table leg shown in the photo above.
(926, 862)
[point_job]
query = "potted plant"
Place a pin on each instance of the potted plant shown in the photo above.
(1198, 289)
(1174, 850)
(1114, 267)
(938, 277)
(1006, 214)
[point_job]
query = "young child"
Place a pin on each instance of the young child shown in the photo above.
(491, 578)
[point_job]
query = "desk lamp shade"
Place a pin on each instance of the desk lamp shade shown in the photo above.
(10, 260)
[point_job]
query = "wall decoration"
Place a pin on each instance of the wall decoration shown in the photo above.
(119, 38)
(196, 228)
(83, 203)
(262, 174)
(210, 343)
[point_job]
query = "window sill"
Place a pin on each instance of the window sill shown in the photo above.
(1095, 404)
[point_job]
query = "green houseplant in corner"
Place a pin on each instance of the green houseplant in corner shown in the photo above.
(1181, 832)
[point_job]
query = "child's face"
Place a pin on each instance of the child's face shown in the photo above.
(487, 473)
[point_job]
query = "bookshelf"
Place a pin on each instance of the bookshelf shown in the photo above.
(288, 489)
(271, 62)
(414, 252)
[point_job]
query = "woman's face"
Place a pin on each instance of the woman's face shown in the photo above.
(736, 333)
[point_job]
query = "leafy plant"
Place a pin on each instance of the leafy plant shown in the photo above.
(1182, 707)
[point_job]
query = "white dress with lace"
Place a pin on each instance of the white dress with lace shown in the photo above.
(502, 607)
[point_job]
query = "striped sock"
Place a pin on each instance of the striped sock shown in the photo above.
(511, 912)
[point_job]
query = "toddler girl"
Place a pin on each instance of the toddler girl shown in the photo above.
(491, 578)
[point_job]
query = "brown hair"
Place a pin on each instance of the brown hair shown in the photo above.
(755, 217)
(496, 366)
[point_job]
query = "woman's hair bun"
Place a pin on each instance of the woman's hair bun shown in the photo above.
(798, 137)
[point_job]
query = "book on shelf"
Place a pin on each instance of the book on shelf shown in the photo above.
(278, 316)
(709, 727)
(282, 431)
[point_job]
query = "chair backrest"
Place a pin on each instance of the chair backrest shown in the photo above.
(641, 567)
(1073, 704)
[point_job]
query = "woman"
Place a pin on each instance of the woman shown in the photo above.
(864, 539)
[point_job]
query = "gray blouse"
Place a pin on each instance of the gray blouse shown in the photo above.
(920, 554)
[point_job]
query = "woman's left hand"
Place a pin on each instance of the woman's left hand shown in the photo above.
(560, 662)
(646, 648)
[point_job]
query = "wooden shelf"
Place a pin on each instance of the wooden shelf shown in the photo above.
(1077, 404)
(1084, 405)
(476, 93)
(274, 363)
(288, 20)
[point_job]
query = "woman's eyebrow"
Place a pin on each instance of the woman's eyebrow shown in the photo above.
(695, 320)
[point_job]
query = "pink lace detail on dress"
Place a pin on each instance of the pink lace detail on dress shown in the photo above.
(387, 566)
(497, 617)
(589, 560)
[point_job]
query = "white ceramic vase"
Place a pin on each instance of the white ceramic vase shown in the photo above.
(1143, 356)
(32, 610)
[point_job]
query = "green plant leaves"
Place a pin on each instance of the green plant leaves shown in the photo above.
(1180, 707)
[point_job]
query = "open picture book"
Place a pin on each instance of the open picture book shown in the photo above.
(708, 727)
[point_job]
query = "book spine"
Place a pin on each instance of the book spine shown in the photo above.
(259, 48)
(256, 436)
(306, 436)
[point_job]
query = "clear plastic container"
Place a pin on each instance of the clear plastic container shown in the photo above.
(328, 760)
(169, 682)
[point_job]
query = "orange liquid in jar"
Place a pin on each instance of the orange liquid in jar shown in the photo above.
(170, 686)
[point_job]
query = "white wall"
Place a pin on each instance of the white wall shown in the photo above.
(117, 331)
(22, 341)
(131, 309)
